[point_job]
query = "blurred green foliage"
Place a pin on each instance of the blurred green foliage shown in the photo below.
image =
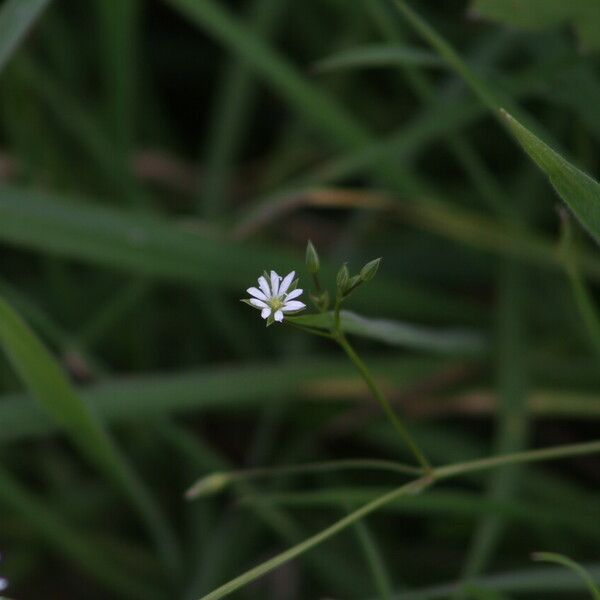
(156, 156)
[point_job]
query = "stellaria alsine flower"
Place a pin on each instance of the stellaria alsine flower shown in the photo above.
(275, 296)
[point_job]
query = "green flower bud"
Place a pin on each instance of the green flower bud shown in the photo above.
(211, 484)
(369, 270)
(342, 277)
(312, 259)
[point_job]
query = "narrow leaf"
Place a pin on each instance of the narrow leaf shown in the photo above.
(49, 386)
(575, 567)
(378, 56)
(399, 333)
(578, 190)
(16, 19)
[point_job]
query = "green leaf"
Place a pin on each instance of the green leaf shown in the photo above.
(575, 567)
(47, 383)
(129, 241)
(398, 333)
(217, 389)
(16, 19)
(527, 14)
(540, 14)
(378, 56)
(578, 190)
(531, 582)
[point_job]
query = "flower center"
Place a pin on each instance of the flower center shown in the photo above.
(275, 303)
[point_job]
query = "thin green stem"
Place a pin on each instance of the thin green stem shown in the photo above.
(233, 477)
(389, 411)
(570, 564)
(515, 458)
(414, 487)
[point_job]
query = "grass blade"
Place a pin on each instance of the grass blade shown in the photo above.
(570, 564)
(530, 581)
(16, 19)
(50, 387)
(576, 188)
(374, 560)
(67, 541)
(314, 105)
(377, 56)
(511, 420)
(214, 388)
(149, 246)
(397, 333)
(253, 574)
(234, 100)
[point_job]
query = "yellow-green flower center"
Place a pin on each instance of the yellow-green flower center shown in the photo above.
(275, 303)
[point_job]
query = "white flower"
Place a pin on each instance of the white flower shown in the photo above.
(3, 582)
(273, 298)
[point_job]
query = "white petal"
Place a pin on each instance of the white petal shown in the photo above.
(287, 281)
(275, 283)
(278, 316)
(264, 286)
(256, 293)
(258, 303)
(265, 312)
(293, 305)
(294, 294)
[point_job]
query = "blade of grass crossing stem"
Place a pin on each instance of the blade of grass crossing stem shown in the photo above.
(50, 387)
(314, 105)
(511, 422)
(573, 566)
(374, 560)
(17, 17)
(68, 542)
(235, 97)
(414, 487)
(326, 565)
(308, 544)
(444, 504)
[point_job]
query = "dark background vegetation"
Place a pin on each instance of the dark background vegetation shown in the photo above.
(212, 162)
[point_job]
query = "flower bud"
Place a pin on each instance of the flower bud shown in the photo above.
(211, 484)
(312, 259)
(369, 270)
(342, 277)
